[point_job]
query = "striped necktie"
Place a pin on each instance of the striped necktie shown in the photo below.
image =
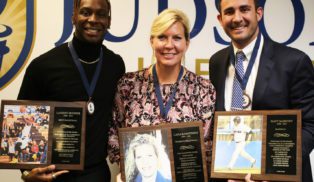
(237, 92)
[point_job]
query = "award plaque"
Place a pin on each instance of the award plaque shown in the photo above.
(169, 152)
(266, 144)
(41, 133)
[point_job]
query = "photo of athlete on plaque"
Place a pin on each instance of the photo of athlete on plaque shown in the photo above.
(239, 137)
(24, 134)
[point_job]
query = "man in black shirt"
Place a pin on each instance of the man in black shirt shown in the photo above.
(80, 70)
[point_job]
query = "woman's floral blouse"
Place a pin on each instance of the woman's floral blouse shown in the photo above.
(136, 104)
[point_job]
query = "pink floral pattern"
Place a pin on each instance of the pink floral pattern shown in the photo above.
(136, 104)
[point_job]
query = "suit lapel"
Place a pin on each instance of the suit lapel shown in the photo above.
(222, 74)
(264, 72)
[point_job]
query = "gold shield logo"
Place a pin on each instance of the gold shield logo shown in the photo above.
(16, 37)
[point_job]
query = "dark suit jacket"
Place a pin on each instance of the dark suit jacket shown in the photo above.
(285, 80)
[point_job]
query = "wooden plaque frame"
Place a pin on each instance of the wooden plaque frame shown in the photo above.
(59, 125)
(170, 135)
(277, 140)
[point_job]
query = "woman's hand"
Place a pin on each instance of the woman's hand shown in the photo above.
(43, 174)
(118, 178)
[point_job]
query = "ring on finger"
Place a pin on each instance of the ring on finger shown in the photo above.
(53, 176)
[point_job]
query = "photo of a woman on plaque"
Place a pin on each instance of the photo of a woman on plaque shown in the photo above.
(146, 160)
(23, 128)
(239, 144)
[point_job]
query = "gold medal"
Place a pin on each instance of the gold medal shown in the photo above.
(246, 100)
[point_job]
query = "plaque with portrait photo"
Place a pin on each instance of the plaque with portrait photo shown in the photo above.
(168, 152)
(266, 144)
(41, 133)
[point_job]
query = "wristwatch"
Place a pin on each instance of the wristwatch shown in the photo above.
(25, 174)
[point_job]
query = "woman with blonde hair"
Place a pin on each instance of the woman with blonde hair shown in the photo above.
(145, 160)
(165, 92)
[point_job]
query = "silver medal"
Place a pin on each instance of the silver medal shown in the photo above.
(90, 107)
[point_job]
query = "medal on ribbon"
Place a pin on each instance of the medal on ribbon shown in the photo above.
(88, 87)
(246, 100)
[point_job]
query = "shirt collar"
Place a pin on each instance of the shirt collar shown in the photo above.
(248, 50)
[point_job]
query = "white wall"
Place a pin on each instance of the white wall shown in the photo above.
(49, 28)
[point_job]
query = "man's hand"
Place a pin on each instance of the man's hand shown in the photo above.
(246, 179)
(43, 174)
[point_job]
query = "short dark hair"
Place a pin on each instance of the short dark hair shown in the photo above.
(256, 2)
(76, 5)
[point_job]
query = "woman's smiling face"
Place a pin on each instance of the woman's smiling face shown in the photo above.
(170, 46)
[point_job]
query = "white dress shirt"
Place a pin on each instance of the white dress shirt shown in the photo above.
(251, 82)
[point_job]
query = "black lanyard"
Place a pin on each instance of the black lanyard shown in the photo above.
(165, 109)
(88, 87)
(243, 81)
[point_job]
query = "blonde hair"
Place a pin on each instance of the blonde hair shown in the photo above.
(131, 170)
(138, 140)
(166, 19)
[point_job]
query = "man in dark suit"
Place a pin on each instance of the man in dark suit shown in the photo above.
(280, 77)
